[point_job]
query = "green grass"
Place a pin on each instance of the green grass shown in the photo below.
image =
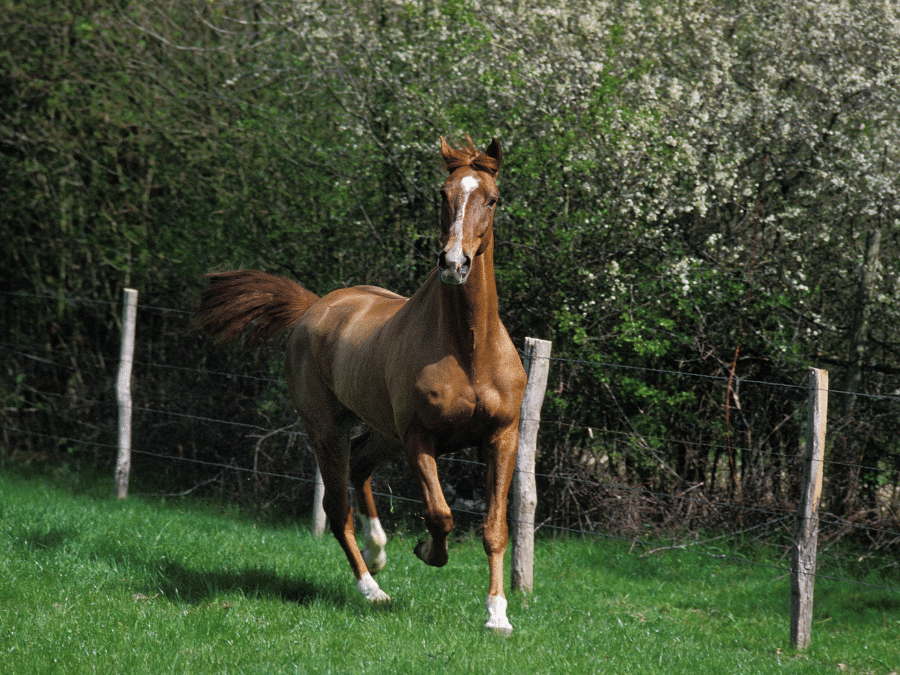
(89, 584)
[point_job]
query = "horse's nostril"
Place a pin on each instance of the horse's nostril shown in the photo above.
(454, 266)
(451, 262)
(453, 258)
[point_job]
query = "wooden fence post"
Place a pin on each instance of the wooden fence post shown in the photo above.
(319, 520)
(524, 501)
(803, 554)
(123, 392)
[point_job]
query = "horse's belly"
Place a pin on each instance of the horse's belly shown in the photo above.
(361, 387)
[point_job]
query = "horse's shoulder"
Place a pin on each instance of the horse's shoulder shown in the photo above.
(506, 363)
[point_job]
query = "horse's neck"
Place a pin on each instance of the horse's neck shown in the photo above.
(470, 311)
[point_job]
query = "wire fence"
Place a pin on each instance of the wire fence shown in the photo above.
(751, 531)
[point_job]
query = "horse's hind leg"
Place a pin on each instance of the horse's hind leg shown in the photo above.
(373, 533)
(367, 452)
(323, 417)
(333, 459)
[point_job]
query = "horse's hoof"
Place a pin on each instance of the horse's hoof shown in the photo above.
(424, 551)
(370, 590)
(497, 621)
(503, 631)
(381, 598)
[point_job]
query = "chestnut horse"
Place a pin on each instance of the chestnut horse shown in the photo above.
(427, 375)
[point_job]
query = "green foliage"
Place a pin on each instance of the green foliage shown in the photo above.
(710, 191)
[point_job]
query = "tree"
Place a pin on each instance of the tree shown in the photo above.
(700, 187)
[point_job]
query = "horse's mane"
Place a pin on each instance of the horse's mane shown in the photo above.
(471, 157)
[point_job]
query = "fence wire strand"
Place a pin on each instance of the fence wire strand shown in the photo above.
(774, 518)
(687, 547)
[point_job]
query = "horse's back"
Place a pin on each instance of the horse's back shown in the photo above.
(374, 290)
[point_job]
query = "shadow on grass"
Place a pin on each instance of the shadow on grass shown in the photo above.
(177, 581)
(38, 539)
(180, 583)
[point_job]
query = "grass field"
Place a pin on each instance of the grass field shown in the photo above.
(92, 585)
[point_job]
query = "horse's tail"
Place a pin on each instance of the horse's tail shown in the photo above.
(257, 304)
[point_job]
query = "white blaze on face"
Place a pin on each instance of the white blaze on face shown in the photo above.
(455, 254)
(469, 183)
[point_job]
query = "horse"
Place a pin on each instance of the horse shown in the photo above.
(426, 375)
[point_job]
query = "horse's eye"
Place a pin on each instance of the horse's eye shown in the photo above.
(490, 202)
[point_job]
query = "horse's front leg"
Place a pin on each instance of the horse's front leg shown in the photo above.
(420, 454)
(500, 457)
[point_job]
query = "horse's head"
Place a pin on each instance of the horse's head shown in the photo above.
(467, 211)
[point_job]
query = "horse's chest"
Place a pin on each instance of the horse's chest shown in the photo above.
(450, 399)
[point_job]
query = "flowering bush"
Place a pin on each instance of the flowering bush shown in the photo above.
(709, 187)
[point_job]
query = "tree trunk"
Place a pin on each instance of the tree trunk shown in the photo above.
(845, 472)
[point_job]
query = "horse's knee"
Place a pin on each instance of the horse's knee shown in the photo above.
(495, 540)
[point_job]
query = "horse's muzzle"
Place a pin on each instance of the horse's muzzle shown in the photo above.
(454, 267)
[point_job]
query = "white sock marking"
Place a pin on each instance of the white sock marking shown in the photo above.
(376, 540)
(370, 589)
(497, 621)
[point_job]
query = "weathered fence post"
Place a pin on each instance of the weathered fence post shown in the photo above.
(319, 520)
(123, 392)
(803, 554)
(524, 501)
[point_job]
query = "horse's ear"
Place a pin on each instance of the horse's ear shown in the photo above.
(445, 152)
(493, 151)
